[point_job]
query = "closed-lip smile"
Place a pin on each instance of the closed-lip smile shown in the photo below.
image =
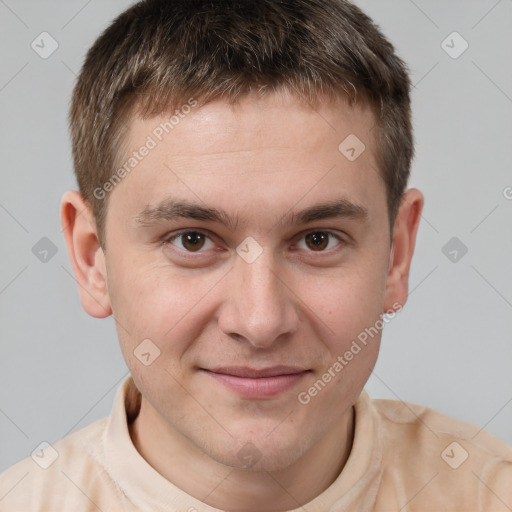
(257, 382)
(255, 373)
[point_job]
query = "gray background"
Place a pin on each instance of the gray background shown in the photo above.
(449, 349)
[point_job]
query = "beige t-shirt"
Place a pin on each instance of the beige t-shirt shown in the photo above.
(404, 458)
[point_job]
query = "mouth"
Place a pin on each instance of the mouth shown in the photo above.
(257, 382)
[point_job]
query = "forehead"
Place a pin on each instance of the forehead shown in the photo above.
(275, 149)
(281, 116)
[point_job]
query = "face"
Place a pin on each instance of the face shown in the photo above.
(252, 253)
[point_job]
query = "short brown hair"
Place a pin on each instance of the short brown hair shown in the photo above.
(159, 53)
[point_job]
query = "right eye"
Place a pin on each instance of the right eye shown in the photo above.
(190, 241)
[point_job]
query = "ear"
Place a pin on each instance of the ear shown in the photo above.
(86, 255)
(402, 249)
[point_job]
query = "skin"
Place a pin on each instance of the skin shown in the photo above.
(294, 305)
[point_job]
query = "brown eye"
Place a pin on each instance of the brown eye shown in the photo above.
(191, 241)
(317, 241)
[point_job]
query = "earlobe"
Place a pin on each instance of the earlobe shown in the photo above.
(86, 256)
(404, 240)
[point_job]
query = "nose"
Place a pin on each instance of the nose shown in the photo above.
(260, 306)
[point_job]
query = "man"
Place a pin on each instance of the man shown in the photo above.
(243, 215)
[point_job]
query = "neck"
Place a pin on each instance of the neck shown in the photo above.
(240, 490)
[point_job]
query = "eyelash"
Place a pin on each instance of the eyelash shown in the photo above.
(169, 239)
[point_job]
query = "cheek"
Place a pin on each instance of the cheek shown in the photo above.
(350, 305)
(151, 302)
(348, 301)
(351, 313)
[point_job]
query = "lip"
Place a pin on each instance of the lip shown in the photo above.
(257, 383)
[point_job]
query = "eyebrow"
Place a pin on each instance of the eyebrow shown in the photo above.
(171, 209)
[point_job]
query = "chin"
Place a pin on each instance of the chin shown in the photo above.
(262, 452)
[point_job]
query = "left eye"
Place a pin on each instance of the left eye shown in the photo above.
(191, 241)
(319, 241)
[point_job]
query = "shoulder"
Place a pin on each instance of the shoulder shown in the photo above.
(425, 449)
(64, 476)
(430, 427)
